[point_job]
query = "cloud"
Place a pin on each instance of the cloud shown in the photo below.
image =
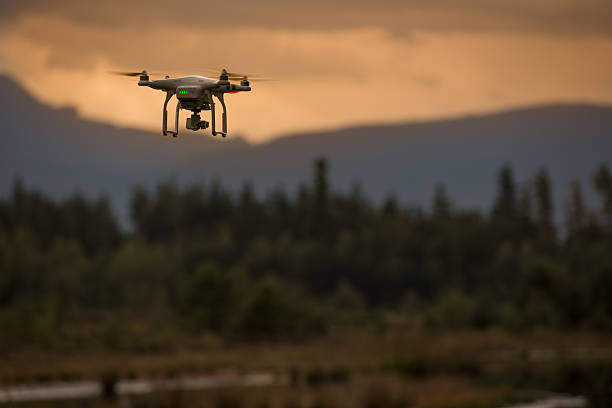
(338, 62)
(285, 54)
(401, 17)
(260, 35)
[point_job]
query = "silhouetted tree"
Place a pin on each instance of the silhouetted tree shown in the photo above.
(544, 203)
(321, 196)
(441, 203)
(390, 206)
(525, 202)
(206, 259)
(506, 206)
(139, 210)
(321, 182)
(576, 214)
(603, 184)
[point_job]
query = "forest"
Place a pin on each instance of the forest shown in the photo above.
(202, 261)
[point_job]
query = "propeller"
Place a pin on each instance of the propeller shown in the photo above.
(128, 74)
(250, 78)
(133, 73)
(235, 76)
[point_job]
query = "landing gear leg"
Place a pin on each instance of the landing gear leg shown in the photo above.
(212, 110)
(165, 130)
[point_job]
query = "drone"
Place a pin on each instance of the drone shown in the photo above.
(194, 93)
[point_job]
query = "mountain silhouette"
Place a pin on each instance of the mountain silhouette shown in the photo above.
(55, 150)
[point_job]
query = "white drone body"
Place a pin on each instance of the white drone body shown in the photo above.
(194, 93)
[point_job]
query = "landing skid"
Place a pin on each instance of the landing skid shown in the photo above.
(175, 132)
(223, 133)
(165, 130)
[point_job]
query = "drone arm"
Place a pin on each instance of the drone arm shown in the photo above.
(165, 130)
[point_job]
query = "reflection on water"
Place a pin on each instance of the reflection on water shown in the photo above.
(91, 389)
(123, 392)
(555, 402)
(56, 391)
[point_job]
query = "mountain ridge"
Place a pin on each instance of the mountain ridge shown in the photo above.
(57, 151)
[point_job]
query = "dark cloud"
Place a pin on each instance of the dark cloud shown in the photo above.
(400, 17)
(336, 61)
(152, 33)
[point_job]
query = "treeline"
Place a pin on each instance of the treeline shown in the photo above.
(202, 260)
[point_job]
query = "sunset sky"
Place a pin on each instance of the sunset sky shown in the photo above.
(338, 63)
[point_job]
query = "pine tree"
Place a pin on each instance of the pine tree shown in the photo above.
(544, 201)
(506, 205)
(321, 196)
(603, 184)
(441, 202)
(390, 206)
(575, 217)
(321, 183)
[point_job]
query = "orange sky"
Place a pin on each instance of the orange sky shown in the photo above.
(337, 62)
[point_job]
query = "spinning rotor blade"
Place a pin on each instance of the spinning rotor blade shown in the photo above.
(132, 73)
(128, 74)
(251, 79)
(235, 76)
